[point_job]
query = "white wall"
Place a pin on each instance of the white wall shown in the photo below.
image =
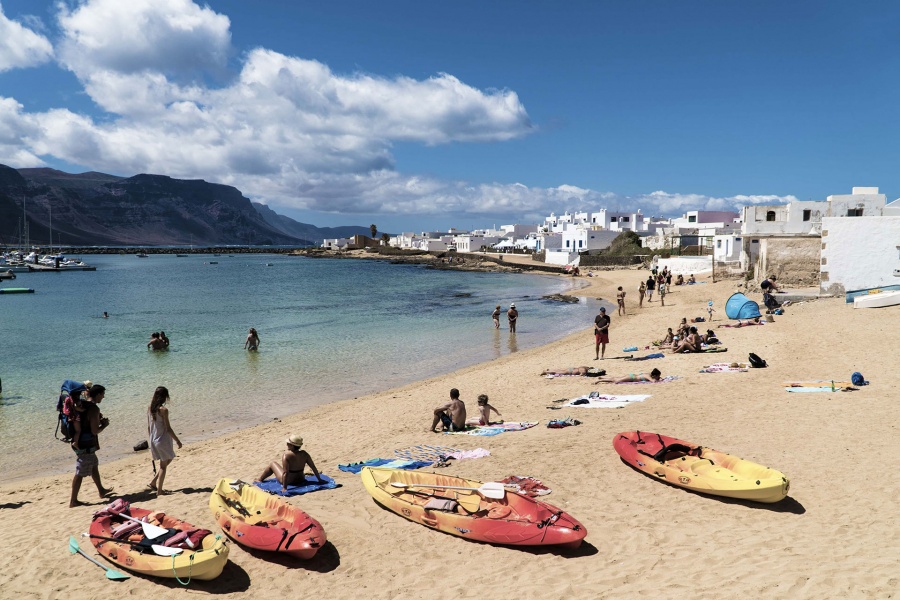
(859, 253)
(555, 256)
(686, 264)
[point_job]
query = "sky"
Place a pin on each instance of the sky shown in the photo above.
(420, 116)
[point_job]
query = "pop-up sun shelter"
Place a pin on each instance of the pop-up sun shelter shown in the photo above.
(740, 307)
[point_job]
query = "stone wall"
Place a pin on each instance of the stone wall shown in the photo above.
(794, 260)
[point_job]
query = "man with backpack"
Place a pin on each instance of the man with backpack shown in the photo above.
(86, 442)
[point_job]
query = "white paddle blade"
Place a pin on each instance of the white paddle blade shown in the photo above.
(165, 550)
(493, 490)
(150, 530)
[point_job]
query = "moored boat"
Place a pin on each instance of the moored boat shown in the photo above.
(16, 291)
(256, 519)
(511, 519)
(700, 469)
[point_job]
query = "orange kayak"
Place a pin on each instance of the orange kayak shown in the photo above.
(513, 519)
(256, 519)
(204, 563)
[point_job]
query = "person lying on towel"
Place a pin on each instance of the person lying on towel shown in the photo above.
(582, 371)
(653, 377)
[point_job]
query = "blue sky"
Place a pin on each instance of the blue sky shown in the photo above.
(424, 115)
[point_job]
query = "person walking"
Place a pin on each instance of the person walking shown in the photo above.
(86, 442)
(651, 285)
(161, 436)
(662, 291)
(601, 334)
(641, 292)
(513, 315)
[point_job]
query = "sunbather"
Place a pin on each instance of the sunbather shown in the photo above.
(654, 376)
(289, 471)
(582, 371)
(691, 343)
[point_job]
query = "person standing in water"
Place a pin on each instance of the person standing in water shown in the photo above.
(496, 317)
(159, 429)
(252, 343)
(513, 315)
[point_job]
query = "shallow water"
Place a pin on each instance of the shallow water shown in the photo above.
(330, 329)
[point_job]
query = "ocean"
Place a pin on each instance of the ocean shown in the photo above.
(330, 329)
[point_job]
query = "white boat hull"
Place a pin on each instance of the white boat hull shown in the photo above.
(878, 300)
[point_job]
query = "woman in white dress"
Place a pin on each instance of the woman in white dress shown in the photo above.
(161, 437)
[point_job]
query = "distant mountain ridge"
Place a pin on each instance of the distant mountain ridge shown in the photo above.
(99, 209)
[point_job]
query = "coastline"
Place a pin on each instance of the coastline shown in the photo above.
(639, 530)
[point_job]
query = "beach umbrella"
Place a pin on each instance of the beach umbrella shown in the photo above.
(740, 307)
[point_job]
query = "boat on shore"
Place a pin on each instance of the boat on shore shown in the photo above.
(877, 300)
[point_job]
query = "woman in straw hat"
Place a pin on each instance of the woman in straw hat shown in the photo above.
(289, 471)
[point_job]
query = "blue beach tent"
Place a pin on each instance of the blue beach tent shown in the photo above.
(740, 306)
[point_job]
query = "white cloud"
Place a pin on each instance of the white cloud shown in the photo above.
(21, 46)
(169, 36)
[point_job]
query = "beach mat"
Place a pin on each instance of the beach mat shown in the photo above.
(725, 368)
(597, 400)
(661, 380)
(819, 383)
(491, 430)
(273, 487)
(828, 388)
(648, 357)
(713, 350)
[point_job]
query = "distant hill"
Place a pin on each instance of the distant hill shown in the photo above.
(99, 209)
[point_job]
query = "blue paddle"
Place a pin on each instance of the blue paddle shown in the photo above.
(74, 548)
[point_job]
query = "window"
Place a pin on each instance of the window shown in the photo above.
(581, 243)
(807, 214)
(567, 243)
(613, 219)
(737, 239)
(692, 219)
(770, 215)
(754, 241)
(718, 243)
(625, 219)
(854, 212)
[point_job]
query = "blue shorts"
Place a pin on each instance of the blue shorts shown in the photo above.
(448, 423)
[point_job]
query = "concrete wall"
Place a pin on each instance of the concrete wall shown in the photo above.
(859, 253)
(794, 260)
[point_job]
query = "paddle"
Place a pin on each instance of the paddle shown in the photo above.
(150, 530)
(74, 548)
(491, 489)
(160, 550)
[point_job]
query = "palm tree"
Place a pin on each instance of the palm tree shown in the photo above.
(374, 229)
(385, 238)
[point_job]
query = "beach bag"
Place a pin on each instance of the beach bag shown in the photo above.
(65, 409)
(756, 362)
(858, 380)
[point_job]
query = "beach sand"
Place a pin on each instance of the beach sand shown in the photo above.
(835, 536)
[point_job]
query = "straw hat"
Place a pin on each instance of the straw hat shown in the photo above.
(294, 440)
(87, 383)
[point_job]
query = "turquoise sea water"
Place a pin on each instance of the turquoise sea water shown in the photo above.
(330, 329)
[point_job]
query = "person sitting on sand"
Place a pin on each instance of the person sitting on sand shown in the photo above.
(683, 328)
(582, 371)
(691, 279)
(679, 280)
(452, 414)
(653, 377)
(710, 337)
(668, 339)
(485, 409)
(691, 343)
(293, 463)
(155, 342)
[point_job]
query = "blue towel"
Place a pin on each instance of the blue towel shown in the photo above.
(648, 357)
(392, 463)
(273, 487)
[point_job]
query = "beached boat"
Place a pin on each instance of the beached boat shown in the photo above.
(877, 300)
(256, 519)
(700, 469)
(510, 519)
(204, 563)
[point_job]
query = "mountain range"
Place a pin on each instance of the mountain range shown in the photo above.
(90, 209)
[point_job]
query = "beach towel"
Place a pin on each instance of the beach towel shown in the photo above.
(392, 463)
(648, 357)
(660, 380)
(273, 487)
(469, 454)
(562, 423)
(725, 368)
(820, 389)
(597, 400)
(818, 383)
(712, 349)
(740, 324)
(491, 430)
(526, 486)
(425, 452)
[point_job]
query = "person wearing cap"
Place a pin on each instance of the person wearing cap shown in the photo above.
(290, 471)
(601, 333)
(513, 315)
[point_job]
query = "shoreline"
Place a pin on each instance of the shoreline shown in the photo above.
(632, 545)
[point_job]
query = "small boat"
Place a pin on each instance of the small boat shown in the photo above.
(205, 563)
(181, 255)
(7, 275)
(256, 519)
(16, 291)
(877, 299)
(700, 469)
(141, 255)
(213, 262)
(511, 519)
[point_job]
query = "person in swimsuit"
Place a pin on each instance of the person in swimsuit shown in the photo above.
(642, 291)
(293, 463)
(485, 409)
(156, 342)
(620, 299)
(451, 415)
(161, 435)
(582, 371)
(496, 317)
(512, 315)
(252, 343)
(653, 377)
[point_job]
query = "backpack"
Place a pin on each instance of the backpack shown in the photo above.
(66, 410)
(756, 362)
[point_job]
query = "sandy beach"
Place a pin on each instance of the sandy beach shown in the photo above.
(835, 536)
